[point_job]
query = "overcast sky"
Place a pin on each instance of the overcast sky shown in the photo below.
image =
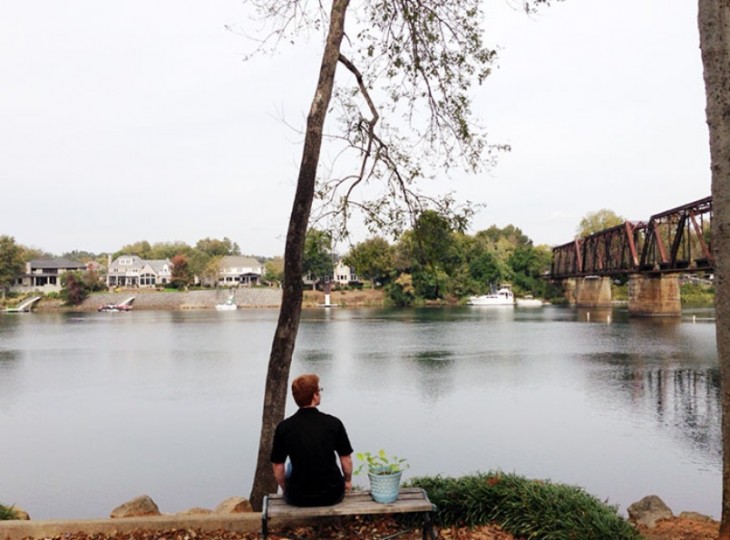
(139, 120)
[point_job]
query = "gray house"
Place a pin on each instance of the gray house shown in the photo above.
(44, 275)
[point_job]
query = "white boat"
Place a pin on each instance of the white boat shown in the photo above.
(503, 297)
(529, 301)
(24, 307)
(122, 306)
(229, 305)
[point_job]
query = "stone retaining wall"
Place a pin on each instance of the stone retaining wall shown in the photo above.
(205, 299)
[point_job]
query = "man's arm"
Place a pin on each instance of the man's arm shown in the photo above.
(280, 474)
(346, 463)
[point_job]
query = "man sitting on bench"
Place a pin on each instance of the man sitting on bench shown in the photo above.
(310, 439)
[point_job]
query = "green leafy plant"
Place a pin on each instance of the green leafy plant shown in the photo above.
(7, 512)
(529, 509)
(380, 463)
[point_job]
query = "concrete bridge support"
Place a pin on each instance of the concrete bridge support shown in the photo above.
(654, 295)
(589, 291)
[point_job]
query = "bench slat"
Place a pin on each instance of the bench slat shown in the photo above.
(359, 502)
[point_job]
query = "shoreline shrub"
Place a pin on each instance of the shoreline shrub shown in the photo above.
(529, 509)
(7, 513)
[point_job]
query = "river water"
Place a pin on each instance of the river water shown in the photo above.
(97, 408)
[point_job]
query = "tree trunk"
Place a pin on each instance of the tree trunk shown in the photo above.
(277, 377)
(714, 25)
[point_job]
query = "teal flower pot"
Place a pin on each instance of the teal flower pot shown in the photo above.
(384, 487)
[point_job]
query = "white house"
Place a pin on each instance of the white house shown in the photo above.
(343, 274)
(235, 270)
(133, 271)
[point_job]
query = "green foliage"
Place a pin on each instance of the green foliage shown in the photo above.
(317, 261)
(697, 294)
(12, 263)
(401, 291)
(529, 509)
(594, 222)
(373, 259)
(217, 248)
(7, 513)
(274, 270)
(181, 276)
(380, 463)
(74, 289)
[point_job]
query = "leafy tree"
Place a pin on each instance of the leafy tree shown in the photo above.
(486, 271)
(211, 270)
(74, 289)
(372, 259)
(181, 276)
(274, 270)
(92, 281)
(142, 249)
(401, 291)
(317, 258)
(167, 250)
(599, 220)
(714, 24)
(218, 248)
(421, 60)
(12, 263)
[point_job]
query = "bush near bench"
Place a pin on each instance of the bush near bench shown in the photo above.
(529, 509)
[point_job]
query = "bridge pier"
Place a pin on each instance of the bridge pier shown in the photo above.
(654, 295)
(593, 291)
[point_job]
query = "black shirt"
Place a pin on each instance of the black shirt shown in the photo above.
(310, 439)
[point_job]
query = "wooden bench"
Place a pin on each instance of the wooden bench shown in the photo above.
(410, 501)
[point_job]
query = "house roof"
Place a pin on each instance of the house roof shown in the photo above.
(56, 263)
(157, 264)
(238, 261)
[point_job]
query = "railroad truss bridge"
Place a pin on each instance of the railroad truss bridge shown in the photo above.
(651, 254)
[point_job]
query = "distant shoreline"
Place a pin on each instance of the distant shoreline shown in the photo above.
(245, 297)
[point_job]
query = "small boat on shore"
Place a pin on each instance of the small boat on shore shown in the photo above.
(122, 306)
(228, 305)
(529, 301)
(503, 297)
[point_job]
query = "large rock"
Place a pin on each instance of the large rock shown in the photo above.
(648, 511)
(20, 513)
(195, 511)
(139, 506)
(234, 505)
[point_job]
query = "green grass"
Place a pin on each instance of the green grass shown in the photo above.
(7, 512)
(529, 509)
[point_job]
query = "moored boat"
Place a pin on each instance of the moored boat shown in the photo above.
(228, 305)
(503, 297)
(122, 306)
(529, 301)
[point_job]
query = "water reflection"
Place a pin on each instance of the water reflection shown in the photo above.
(624, 409)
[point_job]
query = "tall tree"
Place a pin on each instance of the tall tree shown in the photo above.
(596, 221)
(11, 262)
(714, 25)
(317, 260)
(420, 60)
(372, 259)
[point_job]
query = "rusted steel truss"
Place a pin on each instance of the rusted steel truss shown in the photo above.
(674, 241)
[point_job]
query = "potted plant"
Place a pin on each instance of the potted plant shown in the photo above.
(384, 473)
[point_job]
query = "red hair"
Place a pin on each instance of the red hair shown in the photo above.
(303, 389)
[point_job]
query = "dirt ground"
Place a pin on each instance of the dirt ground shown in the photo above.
(385, 528)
